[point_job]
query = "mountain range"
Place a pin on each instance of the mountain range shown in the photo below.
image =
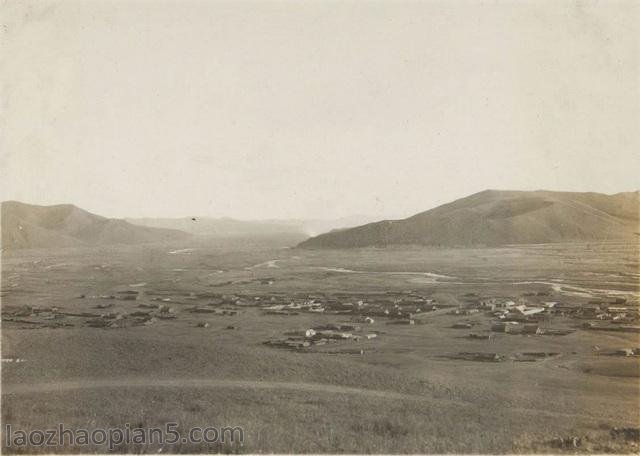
(488, 218)
(495, 217)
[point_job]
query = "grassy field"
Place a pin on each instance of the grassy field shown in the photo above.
(401, 392)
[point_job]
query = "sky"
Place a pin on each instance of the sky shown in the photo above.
(261, 110)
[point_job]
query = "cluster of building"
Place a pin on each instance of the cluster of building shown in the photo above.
(321, 335)
(498, 357)
(395, 307)
(525, 315)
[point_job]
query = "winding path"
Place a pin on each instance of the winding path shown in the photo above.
(72, 385)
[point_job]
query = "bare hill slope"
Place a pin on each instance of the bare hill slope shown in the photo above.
(30, 226)
(496, 217)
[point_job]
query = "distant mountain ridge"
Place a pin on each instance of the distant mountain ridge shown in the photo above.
(224, 226)
(65, 225)
(227, 227)
(497, 217)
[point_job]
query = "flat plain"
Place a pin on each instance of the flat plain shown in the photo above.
(516, 349)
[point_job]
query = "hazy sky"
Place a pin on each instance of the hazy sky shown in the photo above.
(314, 109)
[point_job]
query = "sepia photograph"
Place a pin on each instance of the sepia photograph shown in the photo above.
(320, 227)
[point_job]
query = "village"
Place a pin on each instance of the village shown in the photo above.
(360, 320)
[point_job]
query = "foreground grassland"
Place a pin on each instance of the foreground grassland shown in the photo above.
(404, 391)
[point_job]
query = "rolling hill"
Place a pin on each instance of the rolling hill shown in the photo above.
(495, 217)
(65, 225)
